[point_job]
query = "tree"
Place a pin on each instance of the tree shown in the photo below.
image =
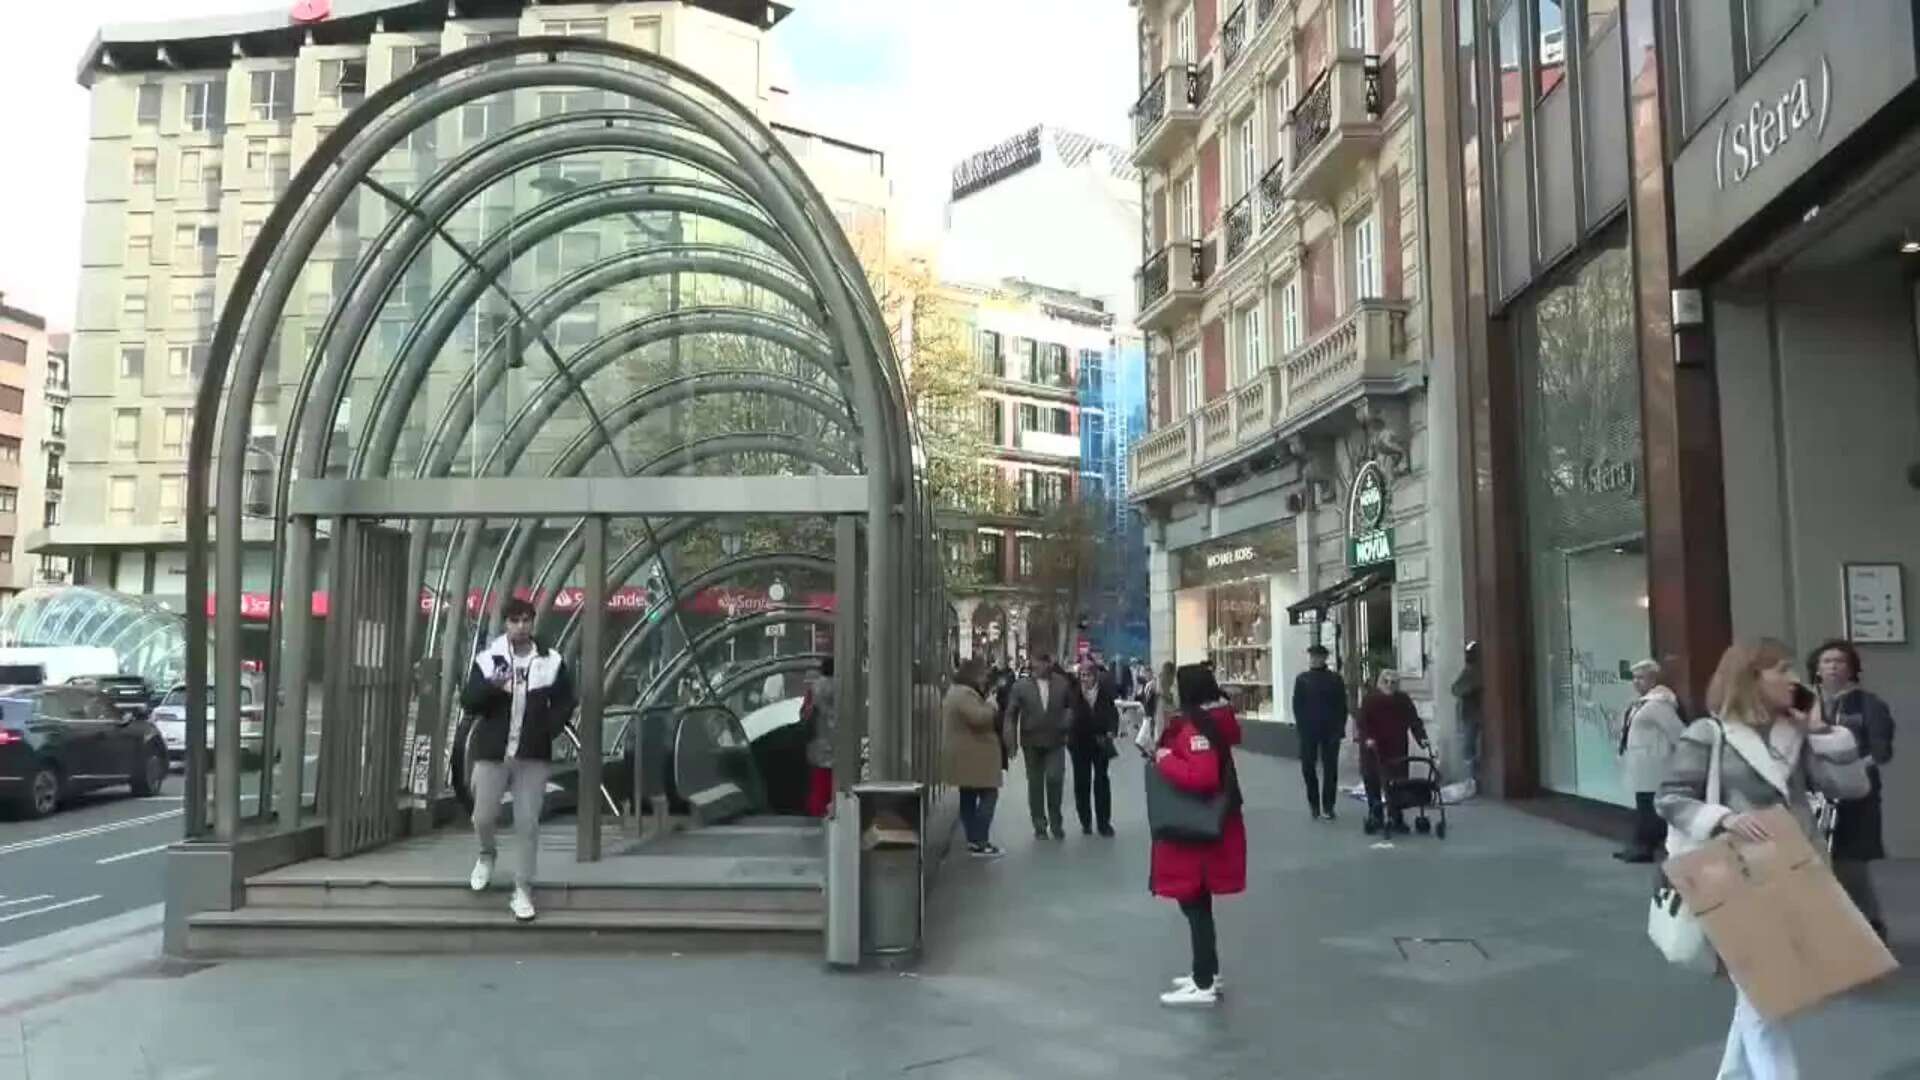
(1065, 577)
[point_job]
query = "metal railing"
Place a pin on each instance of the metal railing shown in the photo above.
(1239, 226)
(1233, 36)
(1199, 83)
(1312, 118)
(1273, 191)
(1263, 11)
(1154, 276)
(1151, 108)
(1160, 275)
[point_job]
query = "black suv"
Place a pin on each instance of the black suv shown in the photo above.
(129, 693)
(57, 741)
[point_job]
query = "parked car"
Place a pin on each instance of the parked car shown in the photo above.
(170, 716)
(58, 741)
(129, 693)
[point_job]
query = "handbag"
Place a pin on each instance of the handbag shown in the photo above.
(1674, 929)
(1182, 817)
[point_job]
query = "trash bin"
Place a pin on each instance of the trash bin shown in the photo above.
(891, 871)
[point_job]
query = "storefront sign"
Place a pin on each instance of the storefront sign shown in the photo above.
(1255, 553)
(1369, 541)
(1228, 558)
(1370, 549)
(1607, 477)
(1837, 69)
(1876, 603)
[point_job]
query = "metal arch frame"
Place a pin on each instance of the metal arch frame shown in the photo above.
(776, 665)
(778, 186)
(723, 631)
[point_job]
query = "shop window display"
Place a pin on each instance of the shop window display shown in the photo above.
(1240, 643)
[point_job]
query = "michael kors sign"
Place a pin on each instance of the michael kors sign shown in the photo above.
(1227, 558)
(1766, 126)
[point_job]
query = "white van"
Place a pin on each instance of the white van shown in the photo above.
(58, 663)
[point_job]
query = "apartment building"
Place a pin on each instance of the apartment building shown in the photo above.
(197, 126)
(33, 439)
(1294, 488)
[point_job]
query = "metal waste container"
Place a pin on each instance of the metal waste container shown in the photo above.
(892, 897)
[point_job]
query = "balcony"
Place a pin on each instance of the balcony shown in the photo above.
(1273, 194)
(1238, 233)
(58, 390)
(1168, 113)
(1335, 125)
(56, 483)
(1263, 12)
(1233, 37)
(1366, 349)
(1049, 443)
(1170, 283)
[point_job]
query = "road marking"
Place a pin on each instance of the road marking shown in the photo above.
(80, 834)
(131, 854)
(26, 900)
(50, 907)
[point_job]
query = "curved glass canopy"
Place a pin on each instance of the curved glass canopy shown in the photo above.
(150, 639)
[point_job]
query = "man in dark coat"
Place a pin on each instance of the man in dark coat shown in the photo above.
(1096, 722)
(1038, 711)
(1320, 718)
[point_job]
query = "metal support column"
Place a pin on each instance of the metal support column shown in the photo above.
(843, 823)
(592, 688)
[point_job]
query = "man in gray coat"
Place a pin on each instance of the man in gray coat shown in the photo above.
(1037, 717)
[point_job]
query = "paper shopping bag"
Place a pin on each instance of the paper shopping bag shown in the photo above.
(1784, 928)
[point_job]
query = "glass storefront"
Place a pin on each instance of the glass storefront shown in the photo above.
(1229, 591)
(1585, 517)
(1240, 643)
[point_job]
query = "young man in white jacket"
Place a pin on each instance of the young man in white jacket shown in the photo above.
(521, 696)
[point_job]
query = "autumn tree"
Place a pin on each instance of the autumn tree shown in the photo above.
(1065, 578)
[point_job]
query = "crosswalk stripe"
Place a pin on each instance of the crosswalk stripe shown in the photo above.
(50, 907)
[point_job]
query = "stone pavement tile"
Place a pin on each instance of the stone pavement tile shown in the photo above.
(1044, 964)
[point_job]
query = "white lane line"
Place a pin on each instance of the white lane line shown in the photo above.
(80, 834)
(50, 907)
(131, 854)
(26, 900)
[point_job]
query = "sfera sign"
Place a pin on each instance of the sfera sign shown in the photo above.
(1751, 138)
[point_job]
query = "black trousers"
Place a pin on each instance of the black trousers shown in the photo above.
(1092, 791)
(1649, 828)
(1376, 775)
(1206, 953)
(1320, 767)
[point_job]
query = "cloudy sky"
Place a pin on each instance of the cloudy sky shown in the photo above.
(928, 81)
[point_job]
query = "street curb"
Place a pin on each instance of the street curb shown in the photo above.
(65, 944)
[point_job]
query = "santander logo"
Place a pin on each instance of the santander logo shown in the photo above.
(309, 11)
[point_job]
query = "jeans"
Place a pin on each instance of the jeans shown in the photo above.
(1320, 767)
(1206, 954)
(1046, 783)
(1757, 1049)
(1090, 779)
(528, 779)
(976, 812)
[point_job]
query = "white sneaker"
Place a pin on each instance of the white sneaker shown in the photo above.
(482, 874)
(1190, 995)
(522, 903)
(1186, 982)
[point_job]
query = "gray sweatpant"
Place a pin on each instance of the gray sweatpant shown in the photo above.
(529, 782)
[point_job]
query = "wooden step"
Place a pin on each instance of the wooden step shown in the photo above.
(276, 931)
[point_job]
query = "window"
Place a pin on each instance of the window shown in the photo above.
(1360, 25)
(279, 171)
(174, 426)
(250, 227)
(1246, 154)
(1363, 245)
(133, 361)
(185, 360)
(1023, 549)
(120, 491)
(57, 421)
(343, 83)
(1062, 422)
(1190, 379)
(646, 34)
(272, 94)
(1289, 321)
(146, 104)
(12, 400)
(1767, 22)
(993, 421)
(139, 238)
(6, 549)
(189, 174)
(9, 448)
(257, 151)
(133, 303)
(408, 57)
(991, 358)
(186, 241)
(146, 166)
(1252, 347)
(52, 510)
(1183, 36)
(1508, 80)
(126, 431)
(480, 119)
(173, 490)
(1186, 209)
(204, 105)
(9, 500)
(192, 300)
(590, 28)
(13, 350)
(1053, 365)
(1550, 22)
(1029, 418)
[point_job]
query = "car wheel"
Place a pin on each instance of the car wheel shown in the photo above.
(43, 792)
(151, 774)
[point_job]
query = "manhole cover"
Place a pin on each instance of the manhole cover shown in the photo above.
(1441, 952)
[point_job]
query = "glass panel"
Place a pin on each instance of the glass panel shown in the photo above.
(1550, 27)
(1507, 87)
(1768, 21)
(1585, 521)
(1706, 58)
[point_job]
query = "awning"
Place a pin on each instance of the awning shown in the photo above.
(1338, 593)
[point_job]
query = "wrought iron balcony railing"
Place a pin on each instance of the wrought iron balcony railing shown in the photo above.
(1312, 118)
(1263, 11)
(1154, 276)
(1233, 36)
(1199, 84)
(1239, 229)
(1151, 108)
(1272, 193)
(1183, 264)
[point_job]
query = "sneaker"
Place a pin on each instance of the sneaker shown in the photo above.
(482, 874)
(984, 851)
(1185, 982)
(522, 903)
(1190, 995)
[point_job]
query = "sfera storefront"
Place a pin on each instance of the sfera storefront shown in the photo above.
(1796, 234)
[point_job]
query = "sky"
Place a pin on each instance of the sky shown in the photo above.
(927, 81)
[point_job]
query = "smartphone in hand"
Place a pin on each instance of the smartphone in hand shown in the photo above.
(1803, 699)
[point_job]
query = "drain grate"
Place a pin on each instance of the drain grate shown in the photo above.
(1441, 952)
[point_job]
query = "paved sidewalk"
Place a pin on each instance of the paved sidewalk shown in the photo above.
(1045, 964)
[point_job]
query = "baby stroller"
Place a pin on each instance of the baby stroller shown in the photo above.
(1417, 791)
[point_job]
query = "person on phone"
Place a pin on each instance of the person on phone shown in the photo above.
(521, 696)
(1195, 754)
(1090, 735)
(1856, 823)
(1776, 747)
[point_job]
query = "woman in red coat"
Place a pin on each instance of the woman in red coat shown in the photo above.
(1195, 755)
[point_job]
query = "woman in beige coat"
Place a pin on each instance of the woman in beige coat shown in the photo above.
(974, 760)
